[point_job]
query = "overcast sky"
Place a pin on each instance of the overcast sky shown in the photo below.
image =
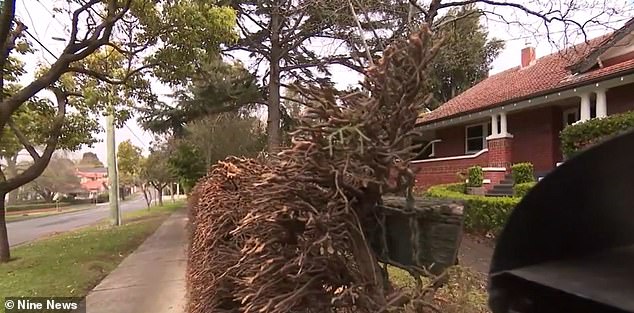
(39, 17)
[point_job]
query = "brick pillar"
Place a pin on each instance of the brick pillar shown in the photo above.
(500, 153)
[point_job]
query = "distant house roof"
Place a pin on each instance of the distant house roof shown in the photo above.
(549, 73)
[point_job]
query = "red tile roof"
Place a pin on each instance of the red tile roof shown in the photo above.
(93, 185)
(546, 74)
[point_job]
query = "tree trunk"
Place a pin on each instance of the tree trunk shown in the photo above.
(12, 171)
(172, 192)
(147, 195)
(160, 196)
(4, 238)
(273, 121)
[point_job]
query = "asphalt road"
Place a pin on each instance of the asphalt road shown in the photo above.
(28, 230)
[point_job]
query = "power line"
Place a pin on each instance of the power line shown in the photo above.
(42, 45)
(135, 135)
(30, 17)
(65, 27)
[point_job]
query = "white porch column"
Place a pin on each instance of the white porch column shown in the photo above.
(503, 124)
(494, 125)
(585, 107)
(602, 107)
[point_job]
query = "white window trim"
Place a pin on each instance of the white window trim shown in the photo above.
(433, 147)
(460, 157)
(485, 131)
(573, 110)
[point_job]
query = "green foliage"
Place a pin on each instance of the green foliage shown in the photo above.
(155, 169)
(191, 33)
(103, 197)
(482, 214)
(520, 190)
(579, 136)
(466, 56)
(217, 88)
(459, 187)
(129, 163)
(523, 173)
(187, 163)
(476, 176)
(35, 206)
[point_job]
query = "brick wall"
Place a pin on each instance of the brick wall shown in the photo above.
(620, 100)
(453, 141)
(535, 137)
(444, 172)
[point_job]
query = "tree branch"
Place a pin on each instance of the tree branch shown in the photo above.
(105, 78)
(39, 165)
(24, 141)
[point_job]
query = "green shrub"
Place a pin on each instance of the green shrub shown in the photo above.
(577, 137)
(523, 173)
(34, 206)
(103, 197)
(482, 214)
(520, 190)
(459, 187)
(475, 176)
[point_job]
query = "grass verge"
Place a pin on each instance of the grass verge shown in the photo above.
(465, 292)
(71, 264)
(28, 216)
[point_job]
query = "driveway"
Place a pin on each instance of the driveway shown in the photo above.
(29, 230)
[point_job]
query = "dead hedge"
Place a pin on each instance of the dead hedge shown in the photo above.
(288, 234)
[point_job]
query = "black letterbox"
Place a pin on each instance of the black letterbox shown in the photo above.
(569, 245)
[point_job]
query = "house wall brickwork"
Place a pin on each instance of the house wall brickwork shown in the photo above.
(500, 152)
(444, 172)
(620, 100)
(453, 142)
(535, 139)
(534, 133)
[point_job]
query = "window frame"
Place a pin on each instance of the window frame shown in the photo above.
(575, 111)
(485, 132)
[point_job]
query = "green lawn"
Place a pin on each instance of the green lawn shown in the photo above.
(71, 264)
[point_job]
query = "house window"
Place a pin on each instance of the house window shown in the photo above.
(475, 137)
(571, 116)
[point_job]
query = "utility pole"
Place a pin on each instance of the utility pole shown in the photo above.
(113, 177)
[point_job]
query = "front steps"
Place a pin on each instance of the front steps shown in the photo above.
(503, 189)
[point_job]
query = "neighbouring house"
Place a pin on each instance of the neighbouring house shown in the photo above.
(517, 115)
(93, 180)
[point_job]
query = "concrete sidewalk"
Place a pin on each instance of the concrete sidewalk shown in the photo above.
(151, 279)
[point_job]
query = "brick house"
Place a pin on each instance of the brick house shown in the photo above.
(517, 115)
(93, 180)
